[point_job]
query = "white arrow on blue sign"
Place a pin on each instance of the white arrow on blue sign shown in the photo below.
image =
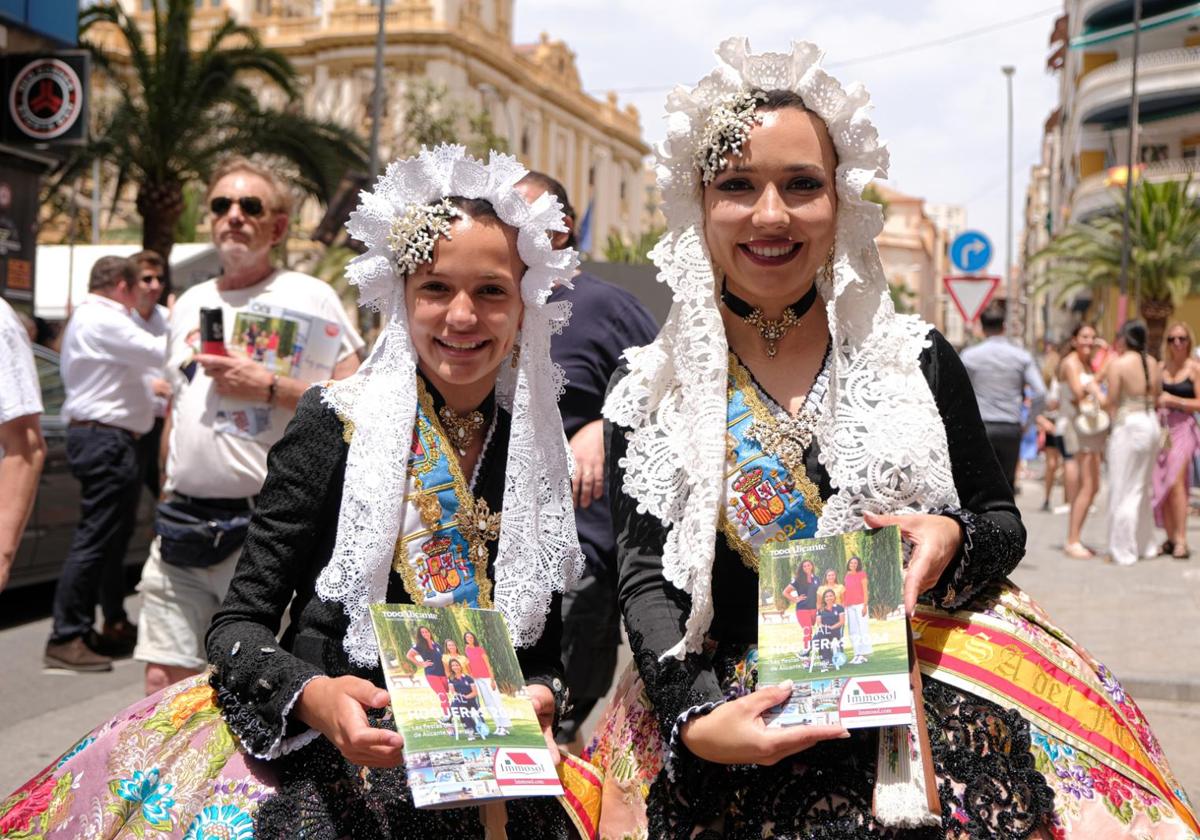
(971, 251)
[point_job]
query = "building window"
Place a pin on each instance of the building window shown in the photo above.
(622, 189)
(525, 141)
(592, 175)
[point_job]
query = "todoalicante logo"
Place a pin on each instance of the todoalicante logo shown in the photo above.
(45, 98)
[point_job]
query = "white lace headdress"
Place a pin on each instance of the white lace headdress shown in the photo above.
(538, 552)
(881, 437)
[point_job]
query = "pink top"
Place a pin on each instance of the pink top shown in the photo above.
(477, 656)
(854, 587)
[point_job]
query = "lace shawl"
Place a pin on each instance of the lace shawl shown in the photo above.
(538, 551)
(882, 439)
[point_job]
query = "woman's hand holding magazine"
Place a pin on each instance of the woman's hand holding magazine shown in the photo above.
(735, 733)
(334, 706)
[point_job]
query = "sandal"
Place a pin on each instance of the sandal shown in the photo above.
(1181, 552)
(1167, 547)
(1078, 551)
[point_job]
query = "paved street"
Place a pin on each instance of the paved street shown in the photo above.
(1140, 621)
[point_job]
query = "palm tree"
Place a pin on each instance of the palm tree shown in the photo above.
(177, 113)
(1164, 256)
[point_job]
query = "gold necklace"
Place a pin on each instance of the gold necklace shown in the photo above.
(461, 429)
(772, 330)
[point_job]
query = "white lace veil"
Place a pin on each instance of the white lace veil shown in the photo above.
(881, 437)
(538, 552)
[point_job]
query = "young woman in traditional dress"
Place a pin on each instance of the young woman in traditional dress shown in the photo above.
(438, 474)
(784, 365)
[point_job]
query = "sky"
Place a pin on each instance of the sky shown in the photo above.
(941, 108)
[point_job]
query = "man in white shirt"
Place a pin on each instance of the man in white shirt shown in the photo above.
(22, 449)
(109, 406)
(153, 317)
(229, 408)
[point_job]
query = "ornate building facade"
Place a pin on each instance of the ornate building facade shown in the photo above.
(531, 92)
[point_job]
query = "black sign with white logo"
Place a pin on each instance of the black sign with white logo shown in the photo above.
(45, 98)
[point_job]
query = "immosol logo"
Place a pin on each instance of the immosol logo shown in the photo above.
(521, 763)
(867, 693)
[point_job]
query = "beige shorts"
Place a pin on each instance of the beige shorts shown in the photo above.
(178, 603)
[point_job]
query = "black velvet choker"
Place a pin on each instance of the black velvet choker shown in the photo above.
(772, 330)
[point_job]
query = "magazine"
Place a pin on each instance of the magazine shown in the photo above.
(470, 732)
(287, 343)
(831, 619)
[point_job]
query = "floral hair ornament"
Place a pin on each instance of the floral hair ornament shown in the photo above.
(414, 234)
(726, 131)
(400, 221)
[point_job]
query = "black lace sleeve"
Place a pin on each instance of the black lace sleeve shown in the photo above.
(655, 611)
(993, 535)
(257, 681)
(541, 663)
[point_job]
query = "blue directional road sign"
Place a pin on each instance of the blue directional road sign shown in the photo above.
(971, 251)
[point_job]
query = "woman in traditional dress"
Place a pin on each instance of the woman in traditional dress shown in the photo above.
(867, 415)
(438, 474)
(1177, 407)
(1134, 382)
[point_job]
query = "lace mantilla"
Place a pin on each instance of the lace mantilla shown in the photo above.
(882, 439)
(538, 552)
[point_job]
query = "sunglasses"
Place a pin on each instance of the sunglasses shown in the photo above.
(251, 205)
(1177, 339)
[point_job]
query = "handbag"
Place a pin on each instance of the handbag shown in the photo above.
(197, 535)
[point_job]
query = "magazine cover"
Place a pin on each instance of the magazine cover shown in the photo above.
(831, 619)
(470, 733)
(287, 343)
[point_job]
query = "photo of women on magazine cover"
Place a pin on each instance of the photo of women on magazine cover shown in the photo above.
(854, 586)
(454, 680)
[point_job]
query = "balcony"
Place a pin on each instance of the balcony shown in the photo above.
(1098, 15)
(1168, 85)
(1094, 194)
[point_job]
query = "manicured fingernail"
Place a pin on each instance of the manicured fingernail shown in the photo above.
(845, 734)
(786, 684)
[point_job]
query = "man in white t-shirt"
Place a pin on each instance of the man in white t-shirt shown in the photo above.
(153, 317)
(22, 449)
(108, 406)
(229, 408)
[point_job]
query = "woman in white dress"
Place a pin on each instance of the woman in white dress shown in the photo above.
(1134, 381)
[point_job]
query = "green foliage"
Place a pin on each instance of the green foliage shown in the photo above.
(637, 252)
(878, 551)
(187, 224)
(431, 117)
(872, 193)
(903, 298)
(178, 112)
(1164, 234)
(331, 267)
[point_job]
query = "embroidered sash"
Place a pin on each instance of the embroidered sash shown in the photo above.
(768, 496)
(1014, 657)
(442, 552)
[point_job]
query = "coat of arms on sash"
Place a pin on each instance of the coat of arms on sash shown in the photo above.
(760, 498)
(440, 566)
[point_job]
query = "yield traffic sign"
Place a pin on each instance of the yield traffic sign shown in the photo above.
(971, 294)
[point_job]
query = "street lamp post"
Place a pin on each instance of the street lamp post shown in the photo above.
(377, 93)
(1010, 284)
(1123, 300)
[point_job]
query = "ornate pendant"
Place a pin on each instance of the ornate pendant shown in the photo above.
(786, 437)
(460, 430)
(772, 330)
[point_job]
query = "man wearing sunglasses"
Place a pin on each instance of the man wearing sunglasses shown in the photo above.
(213, 471)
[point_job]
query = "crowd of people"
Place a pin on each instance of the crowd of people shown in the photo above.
(566, 504)
(1121, 411)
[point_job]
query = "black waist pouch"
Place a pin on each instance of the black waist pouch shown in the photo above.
(197, 535)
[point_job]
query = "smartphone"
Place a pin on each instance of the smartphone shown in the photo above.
(212, 331)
